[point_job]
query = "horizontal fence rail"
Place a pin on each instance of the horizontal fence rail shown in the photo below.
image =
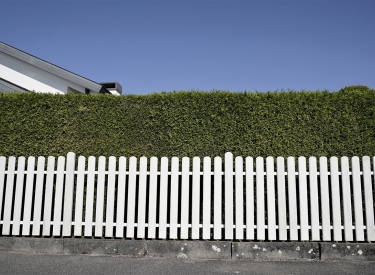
(214, 199)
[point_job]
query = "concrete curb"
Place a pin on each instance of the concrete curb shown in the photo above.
(275, 251)
(250, 251)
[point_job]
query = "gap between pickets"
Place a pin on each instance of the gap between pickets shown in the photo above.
(180, 173)
(189, 225)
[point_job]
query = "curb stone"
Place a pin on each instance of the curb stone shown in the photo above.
(268, 251)
(190, 249)
(32, 245)
(348, 251)
(250, 251)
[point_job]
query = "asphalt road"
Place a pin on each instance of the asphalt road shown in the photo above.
(17, 263)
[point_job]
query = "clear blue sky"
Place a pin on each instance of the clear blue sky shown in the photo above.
(153, 46)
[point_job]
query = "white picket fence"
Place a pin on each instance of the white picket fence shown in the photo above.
(234, 200)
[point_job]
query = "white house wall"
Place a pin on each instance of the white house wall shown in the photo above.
(33, 78)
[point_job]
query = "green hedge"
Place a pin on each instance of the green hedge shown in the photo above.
(190, 123)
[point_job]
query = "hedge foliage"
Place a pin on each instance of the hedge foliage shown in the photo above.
(190, 123)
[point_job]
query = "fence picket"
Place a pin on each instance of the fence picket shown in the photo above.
(131, 197)
(239, 197)
(141, 223)
(153, 197)
(185, 195)
(206, 198)
(281, 199)
(368, 194)
(90, 195)
(39, 186)
(303, 200)
(100, 197)
(174, 198)
(314, 199)
(110, 196)
(249, 198)
(9, 195)
(357, 194)
(50, 180)
(79, 196)
(347, 199)
(163, 201)
(195, 208)
(2, 177)
(58, 196)
(324, 200)
(18, 196)
(68, 197)
(336, 207)
(121, 195)
(228, 191)
(292, 197)
(271, 208)
(217, 197)
(261, 234)
(28, 198)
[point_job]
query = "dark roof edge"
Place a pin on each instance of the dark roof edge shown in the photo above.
(103, 90)
(51, 68)
(18, 86)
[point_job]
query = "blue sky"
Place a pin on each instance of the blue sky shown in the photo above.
(165, 45)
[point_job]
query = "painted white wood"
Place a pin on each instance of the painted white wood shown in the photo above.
(100, 197)
(9, 196)
(185, 195)
(58, 196)
(131, 197)
(347, 199)
(18, 196)
(2, 177)
(141, 223)
(218, 181)
(174, 198)
(314, 199)
(249, 198)
(261, 229)
(33, 78)
(163, 205)
(39, 186)
(152, 198)
(303, 200)
(28, 196)
(36, 178)
(228, 193)
(90, 195)
(206, 198)
(271, 197)
(69, 192)
(239, 197)
(357, 194)
(121, 195)
(79, 196)
(336, 206)
(324, 198)
(292, 199)
(195, 212)
(370, 224)
(110, 196)
(368, 194)
(281, 199)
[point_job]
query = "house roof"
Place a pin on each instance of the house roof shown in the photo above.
(53, 69)
(7, 86)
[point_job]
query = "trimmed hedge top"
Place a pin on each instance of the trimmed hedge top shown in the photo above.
(193, 123)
